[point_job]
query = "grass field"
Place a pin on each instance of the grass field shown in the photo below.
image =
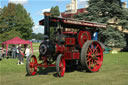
(35, 46)
(114, 71)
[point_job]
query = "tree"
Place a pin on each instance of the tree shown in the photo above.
(112, 37)
(7, 18)
(118, 2)
(55, 11)
(14, 17)
(23, 22)
(52, 11)
(38, 36)
(0, 12)
(9, 35)
(103, 11)
(123, 20)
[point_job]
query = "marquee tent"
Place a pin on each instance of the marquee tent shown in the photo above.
(15, 40)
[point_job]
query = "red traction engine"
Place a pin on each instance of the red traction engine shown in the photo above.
(67, 44)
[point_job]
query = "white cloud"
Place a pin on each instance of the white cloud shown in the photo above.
(38, 29)
(19, 1)
(46, 10)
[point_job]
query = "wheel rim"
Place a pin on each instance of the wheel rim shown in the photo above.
(33, 65)
(94, 57)
(62, 67)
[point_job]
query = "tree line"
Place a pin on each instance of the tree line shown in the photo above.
(15, 21)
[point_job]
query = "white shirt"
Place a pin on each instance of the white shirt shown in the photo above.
(27, 52)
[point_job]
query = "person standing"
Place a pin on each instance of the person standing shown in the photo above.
(27, 51)
(20, 55)
(14, 51)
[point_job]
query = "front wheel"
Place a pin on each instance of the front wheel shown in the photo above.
(92, 56)
(31, 65)
(60, 66)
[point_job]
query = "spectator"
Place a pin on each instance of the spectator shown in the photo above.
(20, 55)
(14, 51)
(27, 51)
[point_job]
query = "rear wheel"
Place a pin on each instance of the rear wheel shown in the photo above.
(92, 56)
(60, 66)
(31, 65)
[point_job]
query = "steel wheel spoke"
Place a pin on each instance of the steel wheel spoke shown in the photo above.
(60, 64)
(89, 60)
(98, 54)
(88, 64)
(92, 62)
(88, 54)
(98, 62)
(92, 47)
(32, 60)
(95, 67)
(95, 50)
(90, 50)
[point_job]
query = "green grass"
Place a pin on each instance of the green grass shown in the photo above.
(114, 71)
(35, 46)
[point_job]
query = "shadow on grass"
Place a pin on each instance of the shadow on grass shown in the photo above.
(52, 70)
(45, 71)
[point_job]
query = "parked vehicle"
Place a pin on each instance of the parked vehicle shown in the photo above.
(71, 46)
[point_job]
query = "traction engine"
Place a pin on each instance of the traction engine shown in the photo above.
(68, 44)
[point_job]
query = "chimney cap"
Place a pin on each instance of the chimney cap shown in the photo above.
(47, 13)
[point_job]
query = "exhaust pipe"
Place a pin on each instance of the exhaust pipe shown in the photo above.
(47, 24)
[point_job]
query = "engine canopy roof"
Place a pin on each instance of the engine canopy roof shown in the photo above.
(72, 23)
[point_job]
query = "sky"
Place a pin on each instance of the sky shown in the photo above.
(37, 7)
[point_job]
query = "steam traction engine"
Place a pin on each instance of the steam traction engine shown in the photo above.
(71, 44)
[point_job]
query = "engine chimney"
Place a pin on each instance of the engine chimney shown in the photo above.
(47, 24)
